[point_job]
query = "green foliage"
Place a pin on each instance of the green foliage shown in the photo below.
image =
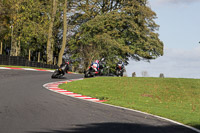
(113, 29)
(29, 21)
(4, 20)
(116, 29)
(33, 23)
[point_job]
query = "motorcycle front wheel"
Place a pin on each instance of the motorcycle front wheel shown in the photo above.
(117, 72)
(89, 74)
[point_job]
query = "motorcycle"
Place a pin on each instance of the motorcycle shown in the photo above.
(120, 69)
(102, 67)
(60, 72)
(94, 70)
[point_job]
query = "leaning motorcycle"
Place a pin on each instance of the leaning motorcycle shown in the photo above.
(92, 71)
(120, 69)
(60, 72)
(102, 68)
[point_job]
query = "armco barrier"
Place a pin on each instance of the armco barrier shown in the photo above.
(21, 61)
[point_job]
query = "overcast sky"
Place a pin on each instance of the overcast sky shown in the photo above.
(179, 22)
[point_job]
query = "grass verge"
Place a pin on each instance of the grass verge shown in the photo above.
(174, 98)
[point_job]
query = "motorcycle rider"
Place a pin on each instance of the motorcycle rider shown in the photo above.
(64, 66)
(95, 65)
(120, 64)
(119, 68)
(102, 65)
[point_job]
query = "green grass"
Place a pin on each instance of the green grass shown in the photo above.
(173, 98)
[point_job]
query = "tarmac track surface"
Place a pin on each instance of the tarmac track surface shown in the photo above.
(27, 107)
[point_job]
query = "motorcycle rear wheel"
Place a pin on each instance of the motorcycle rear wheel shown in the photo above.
(55, 74)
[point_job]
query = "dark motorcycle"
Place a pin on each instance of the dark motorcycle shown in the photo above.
(120, 69)
(102, 68)
(60, 72)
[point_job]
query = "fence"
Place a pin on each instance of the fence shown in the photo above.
(21, 61)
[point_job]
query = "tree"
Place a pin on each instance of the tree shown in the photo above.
(34, 18)
(64, 34)
(15, 28)
(116, 29)
(50, 42)
(4, 26)
(26, 22)
(4, 19)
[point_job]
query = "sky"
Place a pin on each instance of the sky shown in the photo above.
(179, 30)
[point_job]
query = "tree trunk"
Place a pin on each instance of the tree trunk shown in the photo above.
(15, 48)
(54, 61)
(29, 55)
(13, 43)
(38, 57)
(64, 34)
(50, 42)
(13, 51)
(1, 48)
(18, 49)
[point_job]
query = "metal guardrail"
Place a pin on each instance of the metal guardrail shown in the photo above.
(21, 61)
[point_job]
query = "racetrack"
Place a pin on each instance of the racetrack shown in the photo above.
(27, 107)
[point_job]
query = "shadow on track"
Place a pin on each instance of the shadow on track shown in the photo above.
(121, 128)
